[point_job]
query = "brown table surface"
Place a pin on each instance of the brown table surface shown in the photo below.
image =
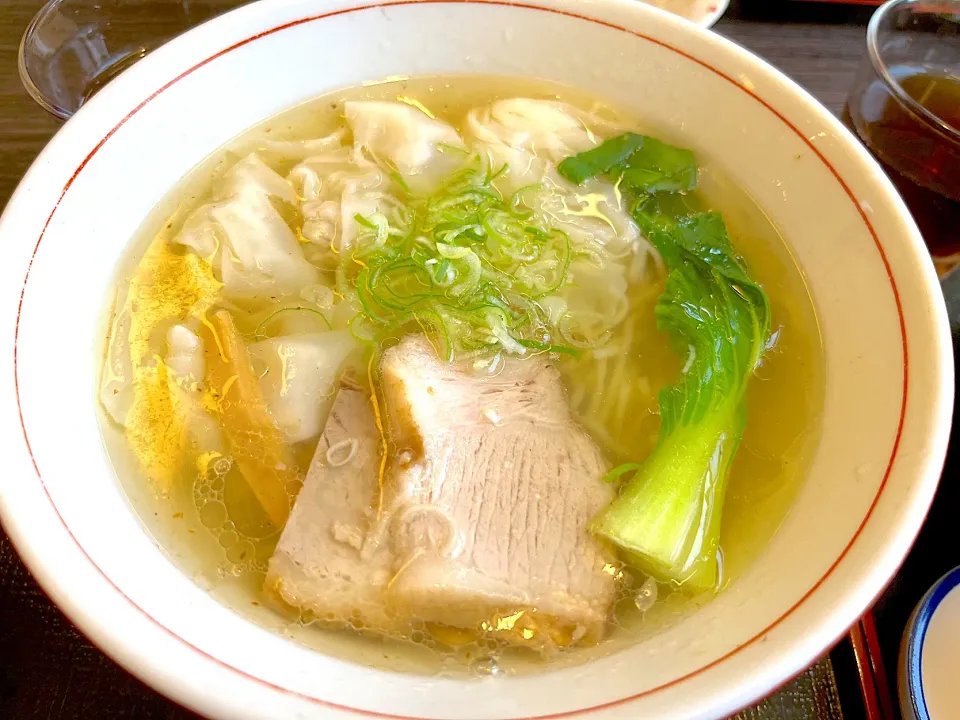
(48, 670)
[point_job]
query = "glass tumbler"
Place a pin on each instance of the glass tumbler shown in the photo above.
(72, 48)
(905, 107)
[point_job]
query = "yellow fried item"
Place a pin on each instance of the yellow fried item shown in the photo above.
(167, 287)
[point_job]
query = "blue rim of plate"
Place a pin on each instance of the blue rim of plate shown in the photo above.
(917, 633)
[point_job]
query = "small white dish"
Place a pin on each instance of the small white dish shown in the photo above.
(703, 12)
(888, 353)
(930, 654)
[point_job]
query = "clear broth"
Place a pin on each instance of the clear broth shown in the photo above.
(785, 402)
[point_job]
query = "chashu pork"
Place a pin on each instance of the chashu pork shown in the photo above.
(485, 509)
(327, 564)
(491, 498)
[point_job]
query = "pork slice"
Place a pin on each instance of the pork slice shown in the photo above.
(490, 509)
(326, 564)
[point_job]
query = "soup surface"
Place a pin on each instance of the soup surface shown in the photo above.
(386, 375)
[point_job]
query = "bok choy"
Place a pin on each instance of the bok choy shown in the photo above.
(666, 518)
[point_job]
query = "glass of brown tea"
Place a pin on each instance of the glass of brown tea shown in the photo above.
(905, 106)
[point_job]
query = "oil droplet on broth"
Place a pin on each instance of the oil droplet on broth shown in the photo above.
(240, 553)
(213, 514)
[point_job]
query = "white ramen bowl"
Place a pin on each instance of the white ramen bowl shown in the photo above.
(889, 382)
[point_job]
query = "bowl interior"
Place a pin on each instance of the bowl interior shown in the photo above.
(888, 382)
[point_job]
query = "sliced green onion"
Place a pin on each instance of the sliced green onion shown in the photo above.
(462, 263)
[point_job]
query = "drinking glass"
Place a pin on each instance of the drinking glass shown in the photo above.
(72, 48)
(905, 106)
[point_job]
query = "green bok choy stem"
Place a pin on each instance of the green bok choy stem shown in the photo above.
(666, 518)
